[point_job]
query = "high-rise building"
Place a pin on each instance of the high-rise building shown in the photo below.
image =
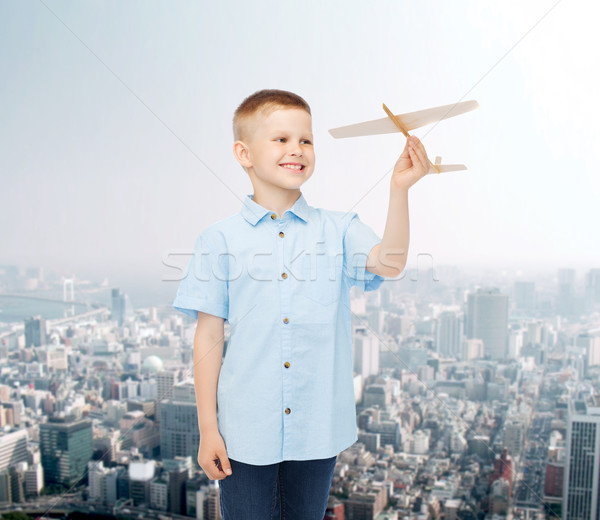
(449, 334)
(194, 496)
(503, 468)
(34, 479)
(211, 508)
(5, 487)
(13, 448)
(159, 493)
(102, 482)
(179, 435)
(487, 319)
(35, 332)
(165, 381)
(366, 353)
(179, 471)
(389, 432)
(582, 465)
(141, 474)
(177, 479)
(592, 288)
(555, 472)
(66, 445)
(96, 474)
(590, 341)
(120, 308)
(513, 436)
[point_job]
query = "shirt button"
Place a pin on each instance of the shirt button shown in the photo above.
(281, 234)
(284, 275)
(286, 364)
(273, 216)
(288, 411)
(285, 320)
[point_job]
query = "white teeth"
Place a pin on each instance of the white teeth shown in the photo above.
(293, 166)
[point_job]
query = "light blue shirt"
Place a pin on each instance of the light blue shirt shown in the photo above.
(285, 389)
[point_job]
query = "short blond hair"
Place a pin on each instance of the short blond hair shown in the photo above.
(264, 102)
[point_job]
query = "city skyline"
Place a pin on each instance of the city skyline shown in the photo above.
(455, 418)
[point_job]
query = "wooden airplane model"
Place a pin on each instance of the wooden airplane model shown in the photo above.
(405, 122)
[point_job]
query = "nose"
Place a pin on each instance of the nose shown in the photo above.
(296, 152)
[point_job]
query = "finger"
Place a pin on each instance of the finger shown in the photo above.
(210, 472)
(416, 160)
(421, 155)
(420, 149)
(225, 464)
(211, 468)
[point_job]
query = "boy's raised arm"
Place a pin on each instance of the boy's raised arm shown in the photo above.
(388, 258)
(208, 353)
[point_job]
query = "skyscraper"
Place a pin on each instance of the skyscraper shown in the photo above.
(590, 341)
(582, 467)
(35, 332)
(366, 353)
(449, 334)
(66, 446)
(487, 319)
(120, 306)
(141, 474)
(13, 448)
(179, 435)
(211, 507)
(592, 288)
(165, 381)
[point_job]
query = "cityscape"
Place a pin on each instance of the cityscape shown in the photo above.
(477, 397)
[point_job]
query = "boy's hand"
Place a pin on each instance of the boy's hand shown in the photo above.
(212, 456)
(411, 166)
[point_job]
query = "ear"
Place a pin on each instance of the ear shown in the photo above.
(240, 151)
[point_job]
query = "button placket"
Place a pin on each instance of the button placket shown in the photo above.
(286, 310)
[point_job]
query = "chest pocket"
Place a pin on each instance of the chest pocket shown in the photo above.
(322, 278)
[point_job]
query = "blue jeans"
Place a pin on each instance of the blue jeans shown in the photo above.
(288, 490)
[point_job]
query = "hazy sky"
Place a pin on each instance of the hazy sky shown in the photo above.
(94, 183)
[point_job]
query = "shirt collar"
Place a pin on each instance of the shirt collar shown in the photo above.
(253, 212)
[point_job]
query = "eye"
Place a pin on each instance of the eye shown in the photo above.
(281, 139)
(306, 141)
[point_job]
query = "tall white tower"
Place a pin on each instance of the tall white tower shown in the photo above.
(582, 467)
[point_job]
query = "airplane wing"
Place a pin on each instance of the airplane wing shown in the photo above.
(410, 121)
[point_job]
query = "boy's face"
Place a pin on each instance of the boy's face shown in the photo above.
(280, 149)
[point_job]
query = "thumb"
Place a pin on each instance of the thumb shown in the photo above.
(224, 462)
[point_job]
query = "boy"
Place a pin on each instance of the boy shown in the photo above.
(277, 406)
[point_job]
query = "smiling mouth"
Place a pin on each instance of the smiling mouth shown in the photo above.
(293, 167)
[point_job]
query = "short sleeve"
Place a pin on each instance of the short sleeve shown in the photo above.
(204, 286)
(359, 239)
